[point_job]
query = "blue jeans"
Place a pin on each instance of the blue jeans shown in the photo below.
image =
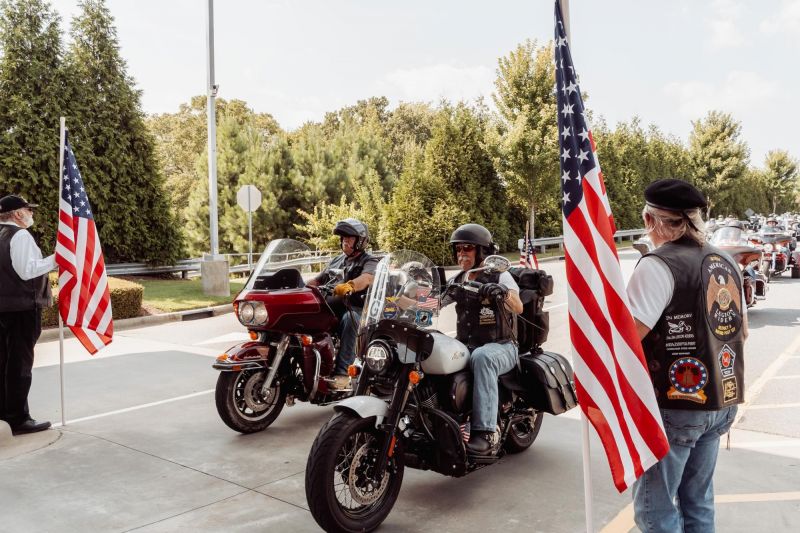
(348, 330)
(488, 362)
(677, 493)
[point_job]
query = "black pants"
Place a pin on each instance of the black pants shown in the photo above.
(19, 331)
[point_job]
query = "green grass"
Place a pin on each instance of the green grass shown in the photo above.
(168, 295)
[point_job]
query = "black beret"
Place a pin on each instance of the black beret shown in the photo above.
(12, 203)
(674, 195)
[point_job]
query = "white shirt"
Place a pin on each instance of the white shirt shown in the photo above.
(650, 290)
(507, 281)
(26, 257)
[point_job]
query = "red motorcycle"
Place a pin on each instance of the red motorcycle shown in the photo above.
(294, 342)
(780, 253)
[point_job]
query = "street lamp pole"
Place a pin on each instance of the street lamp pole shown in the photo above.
(212, 136)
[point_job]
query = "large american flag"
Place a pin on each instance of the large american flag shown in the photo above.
(83, 298)
(612, 381)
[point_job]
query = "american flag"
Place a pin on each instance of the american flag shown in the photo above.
(527, 257)
(612, 381)
(84, 302)
(424, 299)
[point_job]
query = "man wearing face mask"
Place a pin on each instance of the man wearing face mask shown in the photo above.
(359, 270)
(24, 291)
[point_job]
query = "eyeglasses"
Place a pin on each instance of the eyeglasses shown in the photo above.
(464, 247)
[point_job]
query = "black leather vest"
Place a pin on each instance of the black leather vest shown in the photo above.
(695, 352)
(353, 269)
(17, 294)
(480, 322)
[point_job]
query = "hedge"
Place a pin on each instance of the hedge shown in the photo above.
(126, 300)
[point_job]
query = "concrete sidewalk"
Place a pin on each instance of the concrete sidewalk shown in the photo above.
(175, 467)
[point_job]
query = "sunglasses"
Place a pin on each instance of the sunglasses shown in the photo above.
(464, 247)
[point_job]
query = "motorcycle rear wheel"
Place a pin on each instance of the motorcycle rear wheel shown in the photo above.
(343, 493)
(522, 434)
(240, 403)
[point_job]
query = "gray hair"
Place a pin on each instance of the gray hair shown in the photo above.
(672, 225)
(8, 217)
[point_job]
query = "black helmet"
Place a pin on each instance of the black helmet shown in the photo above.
(352, 227)
(473, 234)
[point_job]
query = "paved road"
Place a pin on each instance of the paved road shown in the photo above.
(144, 449)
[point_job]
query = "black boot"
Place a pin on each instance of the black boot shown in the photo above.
(480, 443)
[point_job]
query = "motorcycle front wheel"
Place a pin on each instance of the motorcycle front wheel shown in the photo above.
(765, 267)
(343, 491)
(240, 403)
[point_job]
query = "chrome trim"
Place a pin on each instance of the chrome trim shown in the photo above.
(279, 353)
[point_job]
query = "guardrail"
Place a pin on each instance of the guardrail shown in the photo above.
(186, 266)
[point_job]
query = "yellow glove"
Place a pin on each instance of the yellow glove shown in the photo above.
(343, 289)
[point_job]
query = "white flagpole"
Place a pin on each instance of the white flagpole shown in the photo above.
(58, 311)
(587, 464)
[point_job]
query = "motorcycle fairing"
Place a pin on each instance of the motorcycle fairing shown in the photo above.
(413, 345)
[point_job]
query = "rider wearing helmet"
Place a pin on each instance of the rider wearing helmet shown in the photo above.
(772, 221)
(485, 324)
(358, 268)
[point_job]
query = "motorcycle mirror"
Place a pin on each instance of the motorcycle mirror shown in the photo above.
(410, 289)
(496, 263)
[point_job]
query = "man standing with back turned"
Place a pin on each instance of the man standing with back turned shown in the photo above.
(686, 298)
(24, 291)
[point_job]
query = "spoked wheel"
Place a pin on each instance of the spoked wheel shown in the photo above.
(242, 406)
(523, 432)
(343, 489)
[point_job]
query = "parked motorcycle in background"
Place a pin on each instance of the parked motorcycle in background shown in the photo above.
(779, 252)
(735, 242)
(412, 403)
(294, 342)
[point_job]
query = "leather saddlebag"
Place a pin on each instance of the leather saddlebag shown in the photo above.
(549, 382)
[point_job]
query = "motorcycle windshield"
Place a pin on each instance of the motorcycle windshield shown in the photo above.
(284, 253)
(406, 288)
(724, 237)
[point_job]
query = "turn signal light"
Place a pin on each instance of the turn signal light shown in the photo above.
(222, 358)
(307, 340)
(414, 376)
(353, 371)
(253, 335)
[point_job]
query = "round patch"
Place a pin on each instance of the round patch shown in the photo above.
(688, 375)
(723, 297)
(390, 310)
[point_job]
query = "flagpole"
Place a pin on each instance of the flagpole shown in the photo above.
(586, 451)
(62, 135)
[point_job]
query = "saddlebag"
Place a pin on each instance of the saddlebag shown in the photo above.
(549, 382)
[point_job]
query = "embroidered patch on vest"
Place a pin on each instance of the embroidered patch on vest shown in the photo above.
(723, 297)
(730, 389)
(726, 358)
(688, 377)
(487, 316)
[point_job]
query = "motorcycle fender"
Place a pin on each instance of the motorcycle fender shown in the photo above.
(248, 354)
(364, 407)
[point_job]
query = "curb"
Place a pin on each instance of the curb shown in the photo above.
(51, 334)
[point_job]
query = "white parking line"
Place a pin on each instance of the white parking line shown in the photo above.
(554, 306)
(791, 376)
(135, 407)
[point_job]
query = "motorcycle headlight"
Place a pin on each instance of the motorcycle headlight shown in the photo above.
(246, 313)
(261, 316)
(253, 313)
(378, 357)
(768, 248)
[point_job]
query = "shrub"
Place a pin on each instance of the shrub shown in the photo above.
(126, 300)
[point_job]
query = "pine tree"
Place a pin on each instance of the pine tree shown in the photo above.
(113, 147)
(31, 85)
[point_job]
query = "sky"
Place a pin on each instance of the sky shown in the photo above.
(667, 62)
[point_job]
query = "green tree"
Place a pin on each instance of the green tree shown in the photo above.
(113, 147)
(32, 89)
(718, 157)
(525, 146)
(457, 154)
(781, 180)
(181, 140)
